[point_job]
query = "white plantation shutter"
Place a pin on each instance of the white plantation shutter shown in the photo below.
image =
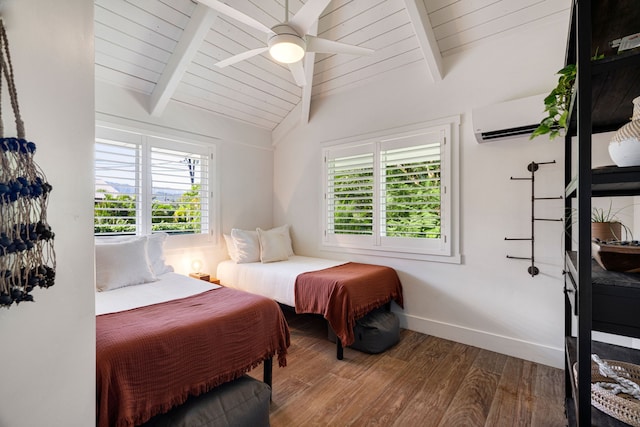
(410, 190)
(147, 184)
(390, 194)
(117, 187)
(179, 180)
(350, 195)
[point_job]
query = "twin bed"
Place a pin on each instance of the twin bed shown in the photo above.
(153, 351)
(341, 292)
(162, 337)
(165, 337)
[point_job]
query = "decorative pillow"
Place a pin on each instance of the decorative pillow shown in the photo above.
(246, 244)
(231, 247)
(273, 245)
(155, 252)
(285, 230)
(122, 264)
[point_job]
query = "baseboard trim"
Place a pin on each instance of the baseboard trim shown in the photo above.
(535, 352)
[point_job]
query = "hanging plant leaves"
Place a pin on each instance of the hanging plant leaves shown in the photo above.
(557, 105)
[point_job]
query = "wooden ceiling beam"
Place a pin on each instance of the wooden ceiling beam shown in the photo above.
(427, 39)
(186, 49)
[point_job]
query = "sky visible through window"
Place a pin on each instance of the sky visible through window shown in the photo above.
(118, 163)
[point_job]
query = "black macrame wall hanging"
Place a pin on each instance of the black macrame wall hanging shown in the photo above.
(27, 257)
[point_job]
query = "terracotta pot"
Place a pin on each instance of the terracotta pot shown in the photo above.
(606, 231)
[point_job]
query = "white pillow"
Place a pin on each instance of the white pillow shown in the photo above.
(246, 244)
(155, 252)
(155, 249)
(273, 245)
(284, 229)
(231, 247)
(122, 264)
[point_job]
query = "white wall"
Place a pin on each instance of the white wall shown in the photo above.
(488, 300)
(47, 353)
(244, 166)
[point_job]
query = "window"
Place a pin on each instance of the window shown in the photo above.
(146, 184)
(391, 193)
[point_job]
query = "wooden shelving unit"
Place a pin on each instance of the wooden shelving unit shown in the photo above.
(602, 300)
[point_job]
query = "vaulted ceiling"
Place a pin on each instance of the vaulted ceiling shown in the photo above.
(167, 49)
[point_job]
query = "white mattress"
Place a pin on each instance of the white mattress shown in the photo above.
(169, 286)
(274, 280)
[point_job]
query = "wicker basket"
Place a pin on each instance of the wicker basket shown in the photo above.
(621, 406)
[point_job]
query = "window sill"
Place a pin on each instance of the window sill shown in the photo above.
(189, 240)
(447, 259)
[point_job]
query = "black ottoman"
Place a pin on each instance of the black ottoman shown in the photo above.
(239, 403)
(374, 332)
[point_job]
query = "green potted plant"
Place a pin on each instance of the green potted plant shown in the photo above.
(557, 105)
(605, 226)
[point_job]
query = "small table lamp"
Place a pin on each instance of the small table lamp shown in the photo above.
(196, 265)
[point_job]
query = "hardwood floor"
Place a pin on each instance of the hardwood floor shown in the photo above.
(422, 381)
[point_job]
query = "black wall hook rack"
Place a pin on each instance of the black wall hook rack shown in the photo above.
(533, 168)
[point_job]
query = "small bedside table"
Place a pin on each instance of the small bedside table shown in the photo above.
(200, 276)
(205, 277)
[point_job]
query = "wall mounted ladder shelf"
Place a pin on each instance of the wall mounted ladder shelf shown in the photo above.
(533, 167)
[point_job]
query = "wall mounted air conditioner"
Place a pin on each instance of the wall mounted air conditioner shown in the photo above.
(508, 119)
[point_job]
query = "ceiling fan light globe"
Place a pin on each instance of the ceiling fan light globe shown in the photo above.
(287, 48)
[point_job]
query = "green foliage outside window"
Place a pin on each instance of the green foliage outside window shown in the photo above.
(181, 216)
(353, 212)
(117, 214)
(411, 208)
(413, 200)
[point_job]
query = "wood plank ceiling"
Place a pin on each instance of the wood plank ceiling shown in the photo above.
(168, 49)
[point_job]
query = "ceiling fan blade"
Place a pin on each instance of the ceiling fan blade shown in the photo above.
(237, 15)
(319, 45)
(298, 73)
(241, 57)
(307, 15)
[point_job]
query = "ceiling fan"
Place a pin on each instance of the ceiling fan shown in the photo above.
(288, 41)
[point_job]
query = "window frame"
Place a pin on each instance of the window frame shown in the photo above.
(444, 249)
(151, 139)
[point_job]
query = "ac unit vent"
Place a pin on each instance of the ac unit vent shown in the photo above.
(507, 133)
(509, 119)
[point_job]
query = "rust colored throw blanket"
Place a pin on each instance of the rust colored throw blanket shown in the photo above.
(152, 358)
(345, 293)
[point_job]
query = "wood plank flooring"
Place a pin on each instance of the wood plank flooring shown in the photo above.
(422, 381)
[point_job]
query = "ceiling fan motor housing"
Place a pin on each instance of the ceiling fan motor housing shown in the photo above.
(286, 45)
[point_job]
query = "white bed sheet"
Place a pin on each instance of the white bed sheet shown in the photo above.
(274, 280)
(169, 286)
